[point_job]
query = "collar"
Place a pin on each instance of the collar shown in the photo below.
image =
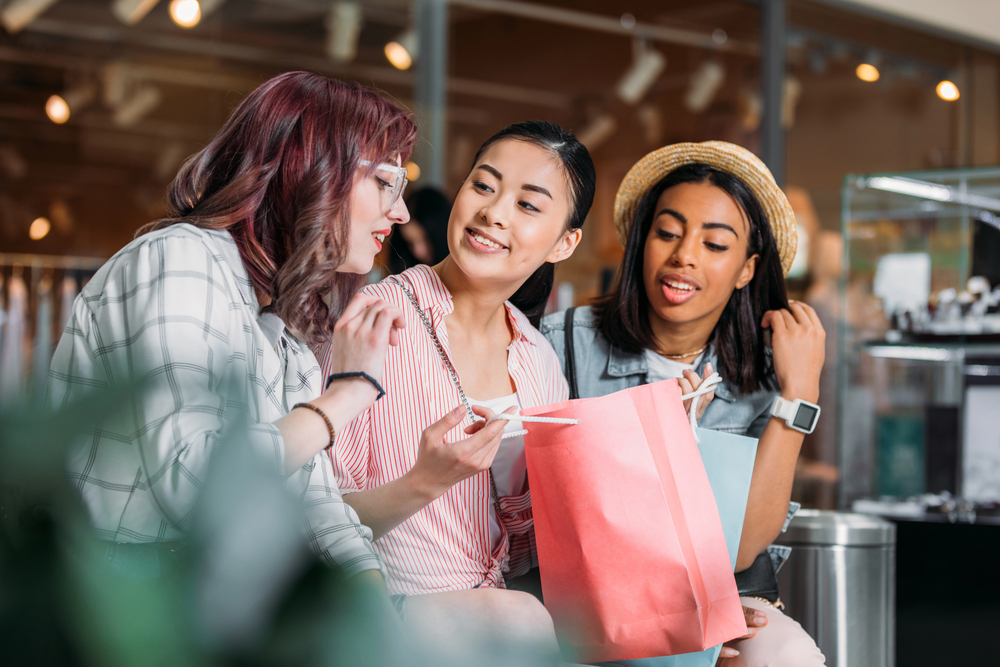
(622, 363)
(433, 296)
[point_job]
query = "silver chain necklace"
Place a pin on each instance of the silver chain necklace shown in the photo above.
(454, 378)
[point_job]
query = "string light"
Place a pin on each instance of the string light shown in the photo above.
(39, 228)
(947, 91)
(185, 13)
(867, 72)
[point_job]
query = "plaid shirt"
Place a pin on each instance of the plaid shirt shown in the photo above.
(176, 309)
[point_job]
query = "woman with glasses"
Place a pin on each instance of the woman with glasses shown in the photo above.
(452, 517)
(213, 309)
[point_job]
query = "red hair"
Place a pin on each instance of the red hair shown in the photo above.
(278, 176)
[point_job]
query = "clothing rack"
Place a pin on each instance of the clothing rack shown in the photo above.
(31, 322)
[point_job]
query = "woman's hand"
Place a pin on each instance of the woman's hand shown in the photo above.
(440, 465)
(797, 343)
(755, 618)
(361, 339)
(690, 382)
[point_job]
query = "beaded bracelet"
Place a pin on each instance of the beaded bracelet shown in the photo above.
(364, 376)
(329, 424)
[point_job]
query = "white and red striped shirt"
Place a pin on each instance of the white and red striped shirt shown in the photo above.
(446, 545)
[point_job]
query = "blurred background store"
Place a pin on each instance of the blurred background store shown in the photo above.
(101, 101)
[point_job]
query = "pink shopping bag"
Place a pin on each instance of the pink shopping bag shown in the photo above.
(631, 551)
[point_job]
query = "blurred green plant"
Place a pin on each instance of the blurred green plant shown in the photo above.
(60, 603)
(243, 589)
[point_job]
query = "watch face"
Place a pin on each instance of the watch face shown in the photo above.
(805, 417)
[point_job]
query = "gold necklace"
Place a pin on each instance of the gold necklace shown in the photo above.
(686, 354)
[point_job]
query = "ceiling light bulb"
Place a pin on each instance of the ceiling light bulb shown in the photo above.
(185, 13)
(412, 171)
(57, 110)
(402, 52)
(39, 228)
(398, 56)
(947, 91)
(867, 72)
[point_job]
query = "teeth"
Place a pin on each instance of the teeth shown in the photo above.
(378, 237)
(485, 241)
(680, 287)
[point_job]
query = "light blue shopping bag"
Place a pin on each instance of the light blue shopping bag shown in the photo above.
(728, 460)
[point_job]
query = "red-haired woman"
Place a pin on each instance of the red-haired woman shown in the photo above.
(271, 228)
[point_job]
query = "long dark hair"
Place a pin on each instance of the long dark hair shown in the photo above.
(743, 358)
(278, 176)
(533, 294)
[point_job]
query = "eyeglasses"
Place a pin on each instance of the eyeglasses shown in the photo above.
(395, 187)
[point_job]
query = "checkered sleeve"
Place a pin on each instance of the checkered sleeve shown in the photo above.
(165, 320)
(334, 529)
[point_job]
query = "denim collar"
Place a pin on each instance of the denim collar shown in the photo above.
(624, 364)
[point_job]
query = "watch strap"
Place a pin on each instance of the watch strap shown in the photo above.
(783, 408)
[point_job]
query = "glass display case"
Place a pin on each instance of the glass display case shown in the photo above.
(918, 397)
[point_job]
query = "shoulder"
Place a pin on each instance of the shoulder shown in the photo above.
(538, 358)
(586, 335)
(583, 316)
(533, 336)
(182, 235)
(179, 251)
(420, 280)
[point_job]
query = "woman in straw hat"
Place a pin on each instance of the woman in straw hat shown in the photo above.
(708, 238)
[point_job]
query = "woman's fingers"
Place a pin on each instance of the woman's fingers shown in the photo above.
(774, 320)
(728, 652)
(703, 403)
(357, 304)
(483, 412)
(809, 312)
(755, 618)
(436, 431)
(367, 318)
(804, 315)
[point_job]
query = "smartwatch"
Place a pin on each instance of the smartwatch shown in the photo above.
(798, 414)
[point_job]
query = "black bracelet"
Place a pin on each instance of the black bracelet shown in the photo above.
(363, 376)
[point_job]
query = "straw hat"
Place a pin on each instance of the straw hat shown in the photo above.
(724, 156)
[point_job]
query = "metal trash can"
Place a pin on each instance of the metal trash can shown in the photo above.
(840, 584)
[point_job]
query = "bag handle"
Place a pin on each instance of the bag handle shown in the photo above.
(708, 385)
(570, 355)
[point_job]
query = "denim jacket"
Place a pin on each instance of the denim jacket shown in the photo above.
(602, 368)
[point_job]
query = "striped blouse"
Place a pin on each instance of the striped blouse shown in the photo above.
(446, 545)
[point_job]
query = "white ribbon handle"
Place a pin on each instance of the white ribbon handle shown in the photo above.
(518, 417)
(708, 385)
